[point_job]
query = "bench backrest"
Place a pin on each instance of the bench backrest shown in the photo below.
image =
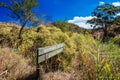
(49, 51)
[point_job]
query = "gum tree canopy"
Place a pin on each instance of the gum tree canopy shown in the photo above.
(21, 10)
(104, 17)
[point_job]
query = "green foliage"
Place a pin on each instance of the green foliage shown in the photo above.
(117, 20)
(22, 11)
(105, 15)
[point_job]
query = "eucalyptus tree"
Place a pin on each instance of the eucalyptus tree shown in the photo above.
(21, 10)
(117, 20)
(104, 17)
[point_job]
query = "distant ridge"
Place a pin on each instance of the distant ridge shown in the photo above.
(65, 26)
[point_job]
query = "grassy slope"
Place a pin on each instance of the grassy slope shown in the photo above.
(80, 59)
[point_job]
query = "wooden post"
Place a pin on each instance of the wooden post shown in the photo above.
(38, 70)
(37, 66)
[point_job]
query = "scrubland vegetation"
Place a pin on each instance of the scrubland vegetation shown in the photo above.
(84, 58)
(88, 54)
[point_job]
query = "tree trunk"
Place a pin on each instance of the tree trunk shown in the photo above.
(20, 32)
(104, 34)
(23, 25)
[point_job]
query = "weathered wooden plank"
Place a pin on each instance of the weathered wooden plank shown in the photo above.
(43, 50)
(53, 53)
(48, 55)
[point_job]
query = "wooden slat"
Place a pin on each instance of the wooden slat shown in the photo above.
(42, 58)
(43, 50)
(53, 53)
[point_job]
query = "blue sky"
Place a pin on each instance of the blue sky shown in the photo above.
(72, 10)
(60, 9)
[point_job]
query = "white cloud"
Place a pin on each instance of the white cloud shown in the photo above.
(81, 21)
(101, 3)
(118, 14)
(116, 3)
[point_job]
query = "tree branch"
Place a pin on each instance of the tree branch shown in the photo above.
(28, 18)
(4, 5)
(3, 72)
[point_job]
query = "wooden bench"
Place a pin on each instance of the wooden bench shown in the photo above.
(45, 53)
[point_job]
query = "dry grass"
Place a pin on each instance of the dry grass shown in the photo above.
(57, 76)
(81, 70)
(16, 66)
(7, 26)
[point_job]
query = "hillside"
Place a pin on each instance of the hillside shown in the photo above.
(81, 60)
(65, 26)
(113, 31)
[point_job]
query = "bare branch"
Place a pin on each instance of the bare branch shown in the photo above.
(4, 72)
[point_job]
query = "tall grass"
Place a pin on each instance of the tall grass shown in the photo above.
(96, 58)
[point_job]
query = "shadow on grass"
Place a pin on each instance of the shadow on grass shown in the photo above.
(32, 76)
